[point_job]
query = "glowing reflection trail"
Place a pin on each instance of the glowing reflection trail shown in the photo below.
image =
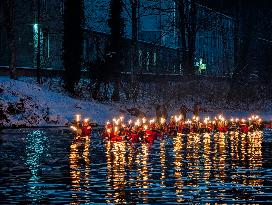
(56, 167)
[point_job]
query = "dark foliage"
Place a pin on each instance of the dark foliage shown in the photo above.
(72, 42)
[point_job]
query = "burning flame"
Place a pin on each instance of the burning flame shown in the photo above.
(77, 118)
(73, 128)
(163, 120)
(152, 121)
(144, 120)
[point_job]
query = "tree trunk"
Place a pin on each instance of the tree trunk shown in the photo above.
(190, 54)
(182, 34)
(116, 91)
(134, 8)
(72, 42)
(116, 24)
(245, 27)
(191, 27)
(245, 20)
(12, 63)
(9, 24)
(38, 54)
(187, 34)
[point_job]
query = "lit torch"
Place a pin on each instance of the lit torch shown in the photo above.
(152, 121)
(145, 127)
(77, 118)
(162, 120)
(137, 123)
(144, 120)
(73, 128)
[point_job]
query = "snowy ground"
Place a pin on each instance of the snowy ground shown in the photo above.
(23, 103)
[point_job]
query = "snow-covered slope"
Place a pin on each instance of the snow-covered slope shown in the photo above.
(28, 104)
(23, 103)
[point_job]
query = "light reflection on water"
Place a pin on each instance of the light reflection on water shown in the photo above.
(80, 171)
(52, 166)
(35, 147)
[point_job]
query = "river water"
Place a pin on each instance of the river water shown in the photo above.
(41, 166)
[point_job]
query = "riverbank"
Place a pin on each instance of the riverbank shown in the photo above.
(23, 103)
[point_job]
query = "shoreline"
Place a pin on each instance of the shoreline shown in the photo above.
(42, 127)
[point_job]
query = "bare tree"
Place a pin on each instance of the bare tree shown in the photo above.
(38, 53)
(187, 28)
(134, 18)
(9, 8)
(72, 42)
(116, 25)
(246, 28)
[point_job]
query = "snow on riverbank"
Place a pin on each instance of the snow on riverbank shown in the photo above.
(24, 104)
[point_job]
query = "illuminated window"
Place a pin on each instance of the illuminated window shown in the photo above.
(35, 45)
(155, 59)
(180, 69)
(35, 42)
(147, 60)
(140, 58)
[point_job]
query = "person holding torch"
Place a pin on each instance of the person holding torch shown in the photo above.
(86, 128)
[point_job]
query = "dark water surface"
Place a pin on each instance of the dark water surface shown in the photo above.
(41, 166)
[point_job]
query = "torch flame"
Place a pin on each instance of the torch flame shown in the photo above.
(162, 120)
(144, 120)
(73, 128)
(77, 118)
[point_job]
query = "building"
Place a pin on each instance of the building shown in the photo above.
(157, 31)
(27, 26)
(158, 40)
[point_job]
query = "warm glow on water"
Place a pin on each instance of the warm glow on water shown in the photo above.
(52, 166)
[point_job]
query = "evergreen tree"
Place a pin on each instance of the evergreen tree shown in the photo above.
(72, 42)
(116, 24)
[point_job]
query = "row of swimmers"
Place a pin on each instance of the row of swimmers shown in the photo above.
(142, 131)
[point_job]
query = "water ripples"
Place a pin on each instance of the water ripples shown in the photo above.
(53, 166)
